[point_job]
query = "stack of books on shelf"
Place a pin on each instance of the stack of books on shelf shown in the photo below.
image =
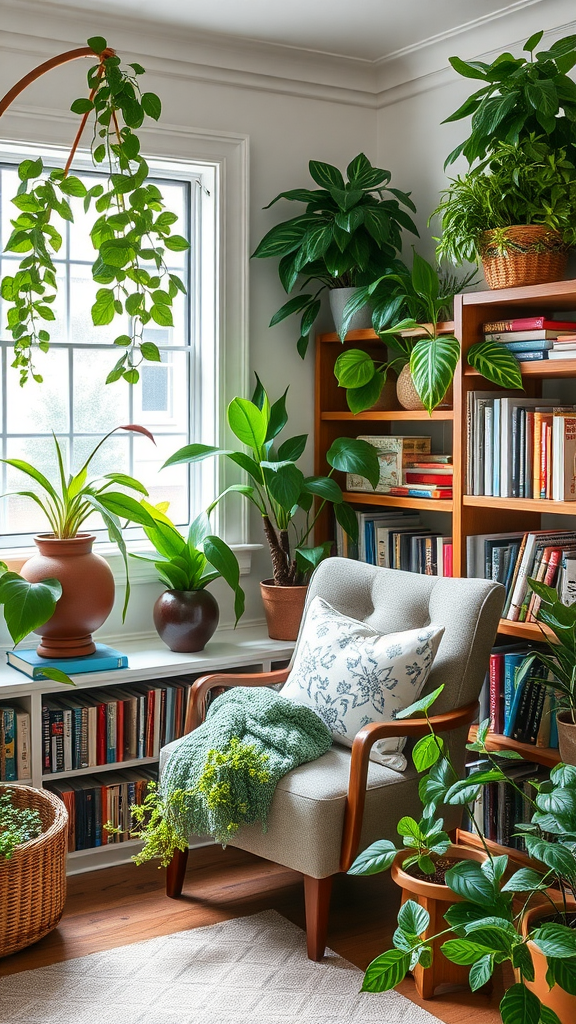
(104, 659)
(533, 338)
(397, 540)
(94, 800)
(548, 556)
(520, 447)
(407, 469)
(14, 743)
(522, 711)
(123, 723)
(500, 806)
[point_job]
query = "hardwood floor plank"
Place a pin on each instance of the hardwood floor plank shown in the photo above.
(121, 905)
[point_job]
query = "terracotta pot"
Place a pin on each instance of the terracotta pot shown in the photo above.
(186, 619)
(566, 737)
(87, 593)
(563, 1004)
(522, 254)
(436, 899)
(409, 397)
(283, 607)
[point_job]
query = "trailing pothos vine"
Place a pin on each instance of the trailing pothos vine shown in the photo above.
(130, 235)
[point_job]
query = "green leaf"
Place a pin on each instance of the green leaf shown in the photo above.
(355, 456)
(554, 855)
(291, 449)
(176, 243)
(432, 365)
(556, 940)
(420, 705)
(326, 175)
(346, 517)
(524, 880)
(468, 880)
(360, 399)
(466, 790)
(27, 605)
(57, 676)
(150, 352)
(531, 43)
(295, 305)
(386, 971)
(103, 310)
(151, 105)
(193, 453)
(278, 417)
(564, 971)
(354, 368)
(248, 423)
(481, 972)
(324, 487)
(522, 959)
(495, 363)
(126, 507)
(161, 315)
(547, 1015)
(308, 558)
(225, 562)
(285, 485)
(464, 952)
(117, 252)
(427, 751)
(30, 169)
(355, 303)
(125, 481)
(413, 918)
(97, 43)
(424, 278)
(520, 1006)
(466, 69)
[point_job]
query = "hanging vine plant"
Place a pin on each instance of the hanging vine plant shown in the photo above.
(130, 235)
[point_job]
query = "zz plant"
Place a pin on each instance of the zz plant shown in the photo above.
(486, 928)
(130, 235)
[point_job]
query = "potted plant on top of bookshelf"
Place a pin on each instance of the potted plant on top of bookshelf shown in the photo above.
(130, 235)
(349, 234)
(284, 497)
(516, 212)
(65, 554)
(186, 614)
(428, 354)
(560, 636)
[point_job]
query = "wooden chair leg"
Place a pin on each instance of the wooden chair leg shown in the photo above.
(175, 874)
(317, 901)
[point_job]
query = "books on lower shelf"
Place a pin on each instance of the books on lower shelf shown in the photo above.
(397, 540)
(520, 447)
(94, 800)
(531, 338)
(500, 806)
(104, 659)
(548, 556)
(123, 723)
(520, 710)
(15, 763)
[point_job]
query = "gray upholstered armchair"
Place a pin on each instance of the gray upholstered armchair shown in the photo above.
(324, 812)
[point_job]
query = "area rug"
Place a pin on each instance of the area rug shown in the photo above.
(250, 970)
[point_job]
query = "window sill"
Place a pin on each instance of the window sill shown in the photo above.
(140, 572)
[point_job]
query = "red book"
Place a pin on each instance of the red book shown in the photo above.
(528, 323)
(413, 477)
(101, 728)
(447, 559)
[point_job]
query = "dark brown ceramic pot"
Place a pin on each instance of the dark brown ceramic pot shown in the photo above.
(283, 607)
(87, 593)
(186, 619)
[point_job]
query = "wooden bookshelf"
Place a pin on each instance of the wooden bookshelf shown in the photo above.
(398, 415)
(548, 756)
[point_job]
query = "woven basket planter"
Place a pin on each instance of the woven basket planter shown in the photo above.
(33, 880)
(521, 255)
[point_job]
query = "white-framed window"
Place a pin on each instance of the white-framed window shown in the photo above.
(178, 399)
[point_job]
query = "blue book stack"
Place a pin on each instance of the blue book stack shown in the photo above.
(104, 659)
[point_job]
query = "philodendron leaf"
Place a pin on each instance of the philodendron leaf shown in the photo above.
(376, 858)
(386, 971)
(520, 1006)
(27, 605)
(351, 455)
(360, 399)
(346, 518)
(248, 422)
(354, 368)
(495, 363)
(427, 751)
(432, 365)
(308, 558)
(413, 918)
(225, 562)
(422, 704)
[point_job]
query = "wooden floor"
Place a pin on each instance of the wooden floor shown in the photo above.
(117, 906)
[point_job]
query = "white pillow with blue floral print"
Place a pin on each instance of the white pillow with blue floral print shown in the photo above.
(350, 674)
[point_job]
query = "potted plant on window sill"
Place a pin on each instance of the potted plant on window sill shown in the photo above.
(65, 554)
(349, 234)
(186, 614)
(284, 498)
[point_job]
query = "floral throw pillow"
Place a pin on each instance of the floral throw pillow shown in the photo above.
(350, 674)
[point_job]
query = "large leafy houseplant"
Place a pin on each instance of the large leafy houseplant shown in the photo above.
(349, 234)
(418, 297)
(489, 925)
(279, 489)
(130, 235)
(518, 97)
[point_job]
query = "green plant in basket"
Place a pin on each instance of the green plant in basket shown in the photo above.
(17, 825)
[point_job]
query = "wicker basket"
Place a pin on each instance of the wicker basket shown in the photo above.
(521, 255)
(33, 880)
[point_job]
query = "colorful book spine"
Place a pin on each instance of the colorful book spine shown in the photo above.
(528, 323)
(8, 740)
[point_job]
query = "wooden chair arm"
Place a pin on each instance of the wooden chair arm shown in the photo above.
(363, 742)
(196, 710)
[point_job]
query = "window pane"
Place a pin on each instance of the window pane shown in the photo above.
(22, 515)
(82, 297)
(161, 396)
(39, 408)
(164, 484)
(98, 406)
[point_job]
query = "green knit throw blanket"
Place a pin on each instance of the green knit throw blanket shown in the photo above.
(206, 797)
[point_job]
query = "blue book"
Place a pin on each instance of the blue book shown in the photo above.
(539, 345)
(511, 663)
(529, 357)
(103, 660)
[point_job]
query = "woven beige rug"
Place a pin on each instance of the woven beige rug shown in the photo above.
(251, 970)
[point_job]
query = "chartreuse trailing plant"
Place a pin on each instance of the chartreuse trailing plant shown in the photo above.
(485, 929)
(519, 97)
(349, 234)
(130, 235)
(420, 298)
(192, 562)
(68, 504)
(159, 820)
(279, 489)
(17, 825)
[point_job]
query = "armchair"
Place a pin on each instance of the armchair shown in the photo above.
(325, 811)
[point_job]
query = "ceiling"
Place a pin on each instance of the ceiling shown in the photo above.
(364, 29)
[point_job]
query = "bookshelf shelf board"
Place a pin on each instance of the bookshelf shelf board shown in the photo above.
(521, 504)
(546, 368)
(365, 498)
(522, 630)
(390, 415)
(445, 327)
(556, 296)
(541, 755)
(96, 769)
(78, 854)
